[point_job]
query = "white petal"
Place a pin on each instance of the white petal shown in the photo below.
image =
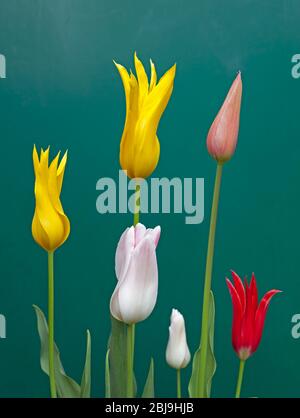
(187, 357)
(124, 252)
(177, 353)
(138, 290)
(139, 231)
(154, 234)
(114, 304)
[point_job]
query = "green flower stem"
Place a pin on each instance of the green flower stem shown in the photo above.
(131, 327)
(207, 282)
(130, 338)
(178, 383)
(136, 216)
(51, 323)
(240, 379)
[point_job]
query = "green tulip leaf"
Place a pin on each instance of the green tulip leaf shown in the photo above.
(85, 390)
(117, 346)
(107, 375)
(148, 391)
(65, 385)
(198, 368)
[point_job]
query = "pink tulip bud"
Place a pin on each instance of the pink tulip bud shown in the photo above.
(223, 133)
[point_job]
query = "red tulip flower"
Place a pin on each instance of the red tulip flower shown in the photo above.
(248, 315)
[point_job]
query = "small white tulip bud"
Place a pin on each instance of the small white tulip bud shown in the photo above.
(177, 354)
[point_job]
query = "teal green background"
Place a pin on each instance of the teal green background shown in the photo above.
(62, 89)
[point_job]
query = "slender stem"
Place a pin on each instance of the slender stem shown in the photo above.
(131, 327)
(51, 323)
(136, 216)
(130, 331)
(207, 281)
(178, 383)
(133, 343)
(240, 379)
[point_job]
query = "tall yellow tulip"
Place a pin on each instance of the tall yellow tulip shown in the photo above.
(50, 229)
(50, 225)
(145, 104)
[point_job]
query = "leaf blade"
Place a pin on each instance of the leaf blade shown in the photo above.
(149, 391)
(107, 376)
(211, 365)
(85, 387)
(117, 345)
(65, 385)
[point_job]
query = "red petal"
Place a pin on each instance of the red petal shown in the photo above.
(254, 293)
(237, 315)
(248, 320)
(260, 316)
(239, 287)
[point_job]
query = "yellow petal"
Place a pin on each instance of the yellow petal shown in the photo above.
(140, 148)
(161, 93)
(153, 79)
(50, 226)
(61, 171)
(35, 159)
(126, 83)
(142, 80)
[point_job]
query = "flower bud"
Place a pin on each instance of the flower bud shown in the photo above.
(177, 354)
(223, 133)
(50, 225)
(135, 295)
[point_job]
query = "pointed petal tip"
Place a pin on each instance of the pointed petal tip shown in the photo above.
(228, 282)
(117, 64)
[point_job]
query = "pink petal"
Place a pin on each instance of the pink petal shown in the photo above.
(139, 231)
(124, 251)
(138, 290)
(154, 234)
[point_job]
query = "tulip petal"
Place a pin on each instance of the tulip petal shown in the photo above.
(177, 352)
(154, 234)
(114, 304)
(61, 171)
(153, 79)
(124, 252)
(35, 159)
(254, 294)
(247, 329)
(223, 133)
(50, 226)
(137, 291)
(126, 83)
(261, 316)
(140, 231)
(142, 80)
(239, 287)
(140, 148)
(237, 315)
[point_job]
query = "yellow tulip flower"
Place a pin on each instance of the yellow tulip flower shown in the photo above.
(50, 225)
(145, 104)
